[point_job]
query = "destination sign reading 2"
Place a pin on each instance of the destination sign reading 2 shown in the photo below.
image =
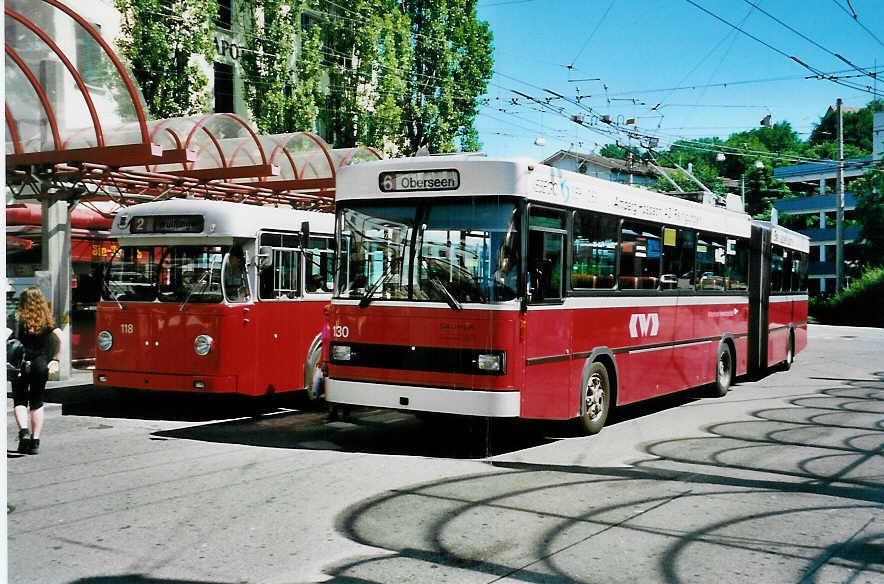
(167, 224)
(419, 180)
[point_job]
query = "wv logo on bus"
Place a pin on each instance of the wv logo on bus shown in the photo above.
(645, 325)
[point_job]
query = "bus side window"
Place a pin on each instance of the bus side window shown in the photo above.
(319, 266)
(738, 264)
(711, 261)
(545, 253)
(593, 251)
(678, 259)
(802, 271)
(639, 256)
(280, 278)
(777, 268)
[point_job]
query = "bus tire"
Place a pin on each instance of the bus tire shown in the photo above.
(313, 356)
(595, 399)
(790, 353)
(724, 370)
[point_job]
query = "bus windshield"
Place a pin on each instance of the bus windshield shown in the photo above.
(191, 274)
(183, 273)
(131, 274)
(454, 252)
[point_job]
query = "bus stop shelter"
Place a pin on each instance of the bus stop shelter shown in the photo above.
(78, 133)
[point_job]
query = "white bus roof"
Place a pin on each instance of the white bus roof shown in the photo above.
(222, 221)
(479, 176)
(786, 237)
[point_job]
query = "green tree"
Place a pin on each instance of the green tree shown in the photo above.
(281, 82)
(451, 67)
(367, 51)
(869, 192)
(857, 127)
(619, 152)
(159, 38)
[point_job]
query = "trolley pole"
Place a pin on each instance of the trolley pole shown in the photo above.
(839, 221)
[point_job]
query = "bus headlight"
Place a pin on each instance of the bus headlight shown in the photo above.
(341, 353)
(203, 344)
(105, 340)
(490, 362)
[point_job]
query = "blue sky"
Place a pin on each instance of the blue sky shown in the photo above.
(626, 58)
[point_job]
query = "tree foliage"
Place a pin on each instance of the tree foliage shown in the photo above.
(268, 75)
(857, 127)
(367, 54)
(160, 39)
(394, 74)
(869, 192)
(451, 67)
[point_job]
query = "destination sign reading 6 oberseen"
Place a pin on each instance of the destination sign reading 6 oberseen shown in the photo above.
(422, 180)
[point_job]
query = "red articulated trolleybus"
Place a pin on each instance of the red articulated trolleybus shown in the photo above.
(214, 297)
(504, 288)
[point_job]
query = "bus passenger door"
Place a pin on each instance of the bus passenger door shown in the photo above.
(548, 385)
(759, 297)
(279, 291)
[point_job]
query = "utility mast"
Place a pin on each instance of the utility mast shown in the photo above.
(839, 221)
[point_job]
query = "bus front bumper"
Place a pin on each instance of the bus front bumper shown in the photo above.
(498, 404)
(165, 381)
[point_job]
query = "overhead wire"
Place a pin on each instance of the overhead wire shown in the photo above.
(855, 17)
(592, 34)
(804, 36)
(867, 89)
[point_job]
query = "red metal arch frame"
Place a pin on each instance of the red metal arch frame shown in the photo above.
(78, 79)
(239, 171)
(13, 131)
(41, 95)
(121, 69)
(118, 155)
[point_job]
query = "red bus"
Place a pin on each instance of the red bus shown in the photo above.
(214, 297)
(504, 288)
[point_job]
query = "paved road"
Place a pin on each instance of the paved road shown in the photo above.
(780, 481)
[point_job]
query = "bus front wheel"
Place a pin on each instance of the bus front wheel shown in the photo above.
(595, 399)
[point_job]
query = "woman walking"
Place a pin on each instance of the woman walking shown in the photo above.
(34, 326)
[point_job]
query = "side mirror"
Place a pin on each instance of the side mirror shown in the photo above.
(264, 257)
(305, 234)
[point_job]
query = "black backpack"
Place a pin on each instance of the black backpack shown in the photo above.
(15, 358)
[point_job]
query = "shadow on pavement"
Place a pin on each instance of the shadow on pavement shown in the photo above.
(376, 431)
(104, 402)
(815, 461)
(136, 579)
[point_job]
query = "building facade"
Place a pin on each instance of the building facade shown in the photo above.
(818, 179)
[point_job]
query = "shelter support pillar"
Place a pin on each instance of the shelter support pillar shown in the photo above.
(57, 261)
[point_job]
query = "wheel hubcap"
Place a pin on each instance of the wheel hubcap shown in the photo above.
(724, 368)
(595, 397)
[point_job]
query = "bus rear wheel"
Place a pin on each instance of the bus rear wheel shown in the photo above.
(595, 399)
(790, 354)
(724, 371)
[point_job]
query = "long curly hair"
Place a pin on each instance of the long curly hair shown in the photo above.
(33, 311)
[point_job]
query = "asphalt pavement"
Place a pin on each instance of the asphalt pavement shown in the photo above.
(782, 480)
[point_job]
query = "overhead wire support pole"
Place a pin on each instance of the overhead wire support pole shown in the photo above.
(839, 220)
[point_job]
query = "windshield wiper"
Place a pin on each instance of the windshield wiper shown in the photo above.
(435, 281)
(368, 295)
(197, 283)
(110, 293)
